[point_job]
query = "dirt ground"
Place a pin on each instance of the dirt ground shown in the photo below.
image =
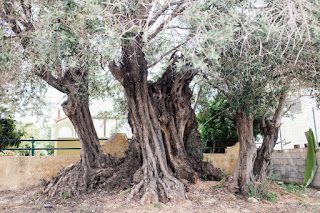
(202, 197)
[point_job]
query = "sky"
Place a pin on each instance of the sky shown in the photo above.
(55, 99)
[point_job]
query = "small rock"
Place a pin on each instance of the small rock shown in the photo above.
(253, 200)
(232, 196)
(280, 183)
(47, 206)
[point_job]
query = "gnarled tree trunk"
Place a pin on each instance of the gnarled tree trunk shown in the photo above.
(270, 129)
(164, 128)
(248, 152)
(264, 153)
(84, 175)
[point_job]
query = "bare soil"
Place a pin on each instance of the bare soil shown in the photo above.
(202, 197)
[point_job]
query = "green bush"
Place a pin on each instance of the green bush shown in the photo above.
(8, 129)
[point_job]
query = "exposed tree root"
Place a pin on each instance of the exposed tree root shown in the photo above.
(158, 189)
(75, 180)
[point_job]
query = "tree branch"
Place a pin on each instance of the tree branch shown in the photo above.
(116, 71)
(164, 8)
(167, 53)
(197, 98)
(50, 79)
(177, 11)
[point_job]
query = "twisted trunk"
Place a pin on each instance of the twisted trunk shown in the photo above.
(270, 129)
(264, 153)
(248, 152)
(94, 164)
(164, 129)
(171, 98)
(77, 110)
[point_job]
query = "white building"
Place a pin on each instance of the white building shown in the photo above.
(303, 115)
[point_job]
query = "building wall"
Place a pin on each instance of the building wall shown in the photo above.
(64, 128)
(289, 166)
(115, 146)
(297, 122)
(67, 144)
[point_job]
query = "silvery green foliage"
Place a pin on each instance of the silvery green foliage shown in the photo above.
(252, 50)
(86, 35)
(65, 35)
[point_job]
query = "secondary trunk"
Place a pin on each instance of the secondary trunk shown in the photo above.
(77, 110)
(84, 175)
(264, 153)
(164, 129)
(248, 152)
(270, 129)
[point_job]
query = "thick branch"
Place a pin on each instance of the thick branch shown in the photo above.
(166, 53)
(116, 71)
(51, 80)
(279, 111)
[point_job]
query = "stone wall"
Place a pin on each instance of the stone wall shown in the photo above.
(116, 145)
(289, 166)
(225, 161)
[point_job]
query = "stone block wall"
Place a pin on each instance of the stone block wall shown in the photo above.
(116, 145)
(289, 166)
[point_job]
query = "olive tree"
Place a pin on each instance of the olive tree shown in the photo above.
(52, 41)
(266, 49)
(68, 45)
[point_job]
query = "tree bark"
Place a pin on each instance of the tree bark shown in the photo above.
(94, 165)
(270, 129)
(164, 129)
(248, 151)
(264, 153)
(84, 175)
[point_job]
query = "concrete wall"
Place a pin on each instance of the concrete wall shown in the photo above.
(289, 166)
(18, 172)
(225, 161)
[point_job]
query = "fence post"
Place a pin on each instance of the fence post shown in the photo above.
(32, 146)
(314, 123)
